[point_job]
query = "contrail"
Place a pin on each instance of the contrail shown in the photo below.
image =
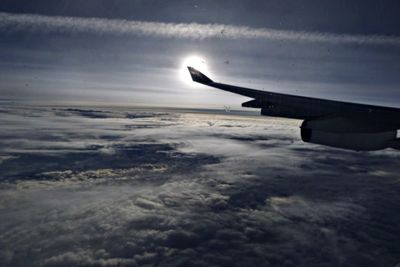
(10, 22)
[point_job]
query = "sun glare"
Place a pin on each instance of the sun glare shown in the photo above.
(196, 62)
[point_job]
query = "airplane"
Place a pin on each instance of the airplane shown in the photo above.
(344, 125)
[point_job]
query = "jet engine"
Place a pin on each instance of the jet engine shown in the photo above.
(348, 134)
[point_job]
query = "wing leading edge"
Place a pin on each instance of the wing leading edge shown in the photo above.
(322, 115)
(300, 107)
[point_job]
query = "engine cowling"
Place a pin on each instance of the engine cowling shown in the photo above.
(343, 134)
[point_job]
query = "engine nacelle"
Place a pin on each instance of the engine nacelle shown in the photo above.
(336, 136)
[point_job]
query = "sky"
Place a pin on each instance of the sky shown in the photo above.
(89, 178)
(133, 52)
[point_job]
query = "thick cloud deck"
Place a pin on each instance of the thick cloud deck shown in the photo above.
(113, 187)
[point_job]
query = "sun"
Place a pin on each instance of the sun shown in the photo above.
(196, 62)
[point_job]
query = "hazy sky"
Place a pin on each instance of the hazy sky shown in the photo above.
(131, 52)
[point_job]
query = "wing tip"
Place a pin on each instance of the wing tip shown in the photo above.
(199, 77)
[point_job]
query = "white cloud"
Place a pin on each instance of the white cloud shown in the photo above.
(255, 204)
(314, 211)
(61, 24)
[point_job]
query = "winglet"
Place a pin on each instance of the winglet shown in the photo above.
(199, 77)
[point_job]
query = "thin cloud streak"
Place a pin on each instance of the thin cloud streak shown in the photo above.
(10, 22)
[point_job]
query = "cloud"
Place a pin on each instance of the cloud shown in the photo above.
(172, 195)
(60, 24)
(298, 208)
(81, 258)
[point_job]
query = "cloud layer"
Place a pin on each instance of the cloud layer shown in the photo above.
(60, 24)
(119, 187)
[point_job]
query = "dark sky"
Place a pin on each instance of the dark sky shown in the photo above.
(347, 50)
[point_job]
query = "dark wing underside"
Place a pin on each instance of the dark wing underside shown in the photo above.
(300, 107)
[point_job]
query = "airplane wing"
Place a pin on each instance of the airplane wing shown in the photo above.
(318, 114)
